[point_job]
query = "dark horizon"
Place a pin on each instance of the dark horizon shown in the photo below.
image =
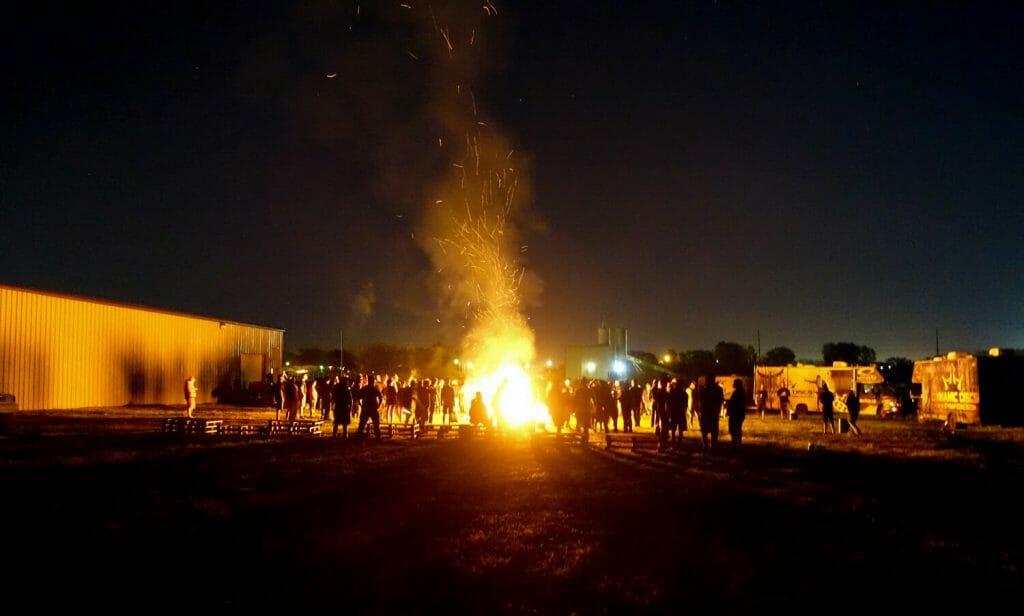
(700, 172)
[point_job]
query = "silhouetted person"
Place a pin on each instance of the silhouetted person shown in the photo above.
(478, 410)
(676, 403)
(560, 405)
(711, 398)
(736, 409)
(291, 399)
(370, 400)
(632, 402)
(853, 407)
(342, 396)
(658, 414)
(447, 402)
(583, 407)
(279, 396)
(826, 399)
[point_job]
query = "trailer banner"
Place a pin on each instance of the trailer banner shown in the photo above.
(949, 387)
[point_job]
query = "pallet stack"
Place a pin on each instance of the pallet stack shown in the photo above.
(277, 427)
(191, 425)
(241, 430)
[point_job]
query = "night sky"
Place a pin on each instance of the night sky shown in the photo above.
(700, 171)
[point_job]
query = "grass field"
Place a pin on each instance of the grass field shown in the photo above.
(103, 510)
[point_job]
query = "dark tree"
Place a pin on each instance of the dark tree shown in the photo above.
(779, 356)
(898, 371)
(851, 353)
(733, 358)
(697, 362)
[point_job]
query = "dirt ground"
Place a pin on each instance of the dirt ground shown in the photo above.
(103, 510)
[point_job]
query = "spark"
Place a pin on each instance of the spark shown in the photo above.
(414, 56)
(405, 6)
(331, 75)
(447, 40)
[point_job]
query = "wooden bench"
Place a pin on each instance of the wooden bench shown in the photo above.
(395, 430)
(444, 430)
(631, 440)
(191, 425)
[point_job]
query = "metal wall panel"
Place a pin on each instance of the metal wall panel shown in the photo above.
(59, 352)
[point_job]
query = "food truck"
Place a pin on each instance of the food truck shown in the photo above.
(804, 382)
(966, 388)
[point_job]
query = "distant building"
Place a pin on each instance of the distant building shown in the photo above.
(605, 360)
(60, 351)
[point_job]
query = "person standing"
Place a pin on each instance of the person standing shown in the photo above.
(853, 407)
(342, 398)
(190, 395)
(826, 400)
(762, 401)
(291, 399)
(783, 393)
(736, 409)
(676, 403)
(478, 410)
(447, 402)
(693, 405)
(658, 413)
(279, 396)
(370, 400)
(711, 398)
(583, 409)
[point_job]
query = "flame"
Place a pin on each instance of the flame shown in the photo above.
(503, 348)
(510, 395)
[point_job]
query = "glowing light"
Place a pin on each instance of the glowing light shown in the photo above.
(456, 361)
(618, 367)
(667, 358)
(591, 366)
(549, 363)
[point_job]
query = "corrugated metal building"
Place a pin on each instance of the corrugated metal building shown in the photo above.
(60, 352)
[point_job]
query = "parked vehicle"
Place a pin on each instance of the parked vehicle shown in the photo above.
(804, 382)
(963, 388)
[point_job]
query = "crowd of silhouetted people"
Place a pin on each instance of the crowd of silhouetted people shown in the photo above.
(668, 406)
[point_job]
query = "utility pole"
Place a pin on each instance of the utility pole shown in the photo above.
(341, 351)
(758, 344)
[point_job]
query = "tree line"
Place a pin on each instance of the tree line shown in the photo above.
(724, 359)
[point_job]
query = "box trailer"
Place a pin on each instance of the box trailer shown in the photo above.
(964, 388)
(804, 382)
